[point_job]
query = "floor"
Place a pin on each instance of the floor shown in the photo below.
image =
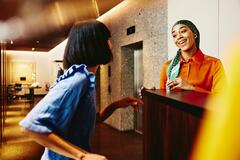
(115, 145)
(15, 146)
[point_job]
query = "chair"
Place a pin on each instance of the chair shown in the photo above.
(17, 89)
(12, 91)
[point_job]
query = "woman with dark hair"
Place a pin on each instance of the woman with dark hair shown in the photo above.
(64, 119)
(190, 69)
(88, 44)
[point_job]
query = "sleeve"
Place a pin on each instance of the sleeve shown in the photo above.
(163, 76)
(55, 110)
(219, 78)
(199, 89)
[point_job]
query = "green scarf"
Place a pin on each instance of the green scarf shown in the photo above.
(174, 66)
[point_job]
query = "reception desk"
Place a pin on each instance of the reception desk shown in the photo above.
(170, 123)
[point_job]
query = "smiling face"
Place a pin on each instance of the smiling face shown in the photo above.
(184, 38)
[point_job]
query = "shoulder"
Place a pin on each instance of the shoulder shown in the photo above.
(166, 63)
(75, 81)
(212, 60)
(76, 76)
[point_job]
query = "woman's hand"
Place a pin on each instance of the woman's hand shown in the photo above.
(178, 83)
(91, 156)
(129, 101)
(122, 103)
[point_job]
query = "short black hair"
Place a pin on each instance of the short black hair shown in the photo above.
(87, 44)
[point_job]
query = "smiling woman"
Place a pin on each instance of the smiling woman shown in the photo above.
(190, 69)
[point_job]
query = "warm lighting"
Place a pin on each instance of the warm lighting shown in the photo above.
(33, 77)
(115, 10)
(59, 13)
(59, 48)
(220, 134)
(95, 5)
(22, 66)
(46, 19)
(14, 52)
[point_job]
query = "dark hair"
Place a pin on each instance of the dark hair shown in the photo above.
(192, 27)
(87, 44)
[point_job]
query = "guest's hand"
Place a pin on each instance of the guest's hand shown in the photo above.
(129, 101)
(179, 83)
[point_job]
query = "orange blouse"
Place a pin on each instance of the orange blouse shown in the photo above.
(204, 72)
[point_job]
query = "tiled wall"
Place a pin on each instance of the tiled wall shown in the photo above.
(150, 20)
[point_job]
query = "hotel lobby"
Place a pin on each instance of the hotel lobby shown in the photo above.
(171, 125)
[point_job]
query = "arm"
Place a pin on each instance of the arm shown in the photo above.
(55, 143)
(122, 103)
(179, 83)
(163, 76)
(61, 146)
(219, 78)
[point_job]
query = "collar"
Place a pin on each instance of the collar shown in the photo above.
(197, 58)
(78, 68)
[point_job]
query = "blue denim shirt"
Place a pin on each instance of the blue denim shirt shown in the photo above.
(69, 110)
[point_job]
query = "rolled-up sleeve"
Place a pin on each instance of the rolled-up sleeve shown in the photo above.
(55, 110)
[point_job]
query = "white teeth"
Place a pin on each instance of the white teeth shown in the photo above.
(182, 42)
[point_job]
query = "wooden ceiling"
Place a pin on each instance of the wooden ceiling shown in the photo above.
(40, 25)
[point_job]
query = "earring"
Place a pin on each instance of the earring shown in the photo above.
(195, 36)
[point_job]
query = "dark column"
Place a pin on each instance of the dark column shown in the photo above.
(3, 89)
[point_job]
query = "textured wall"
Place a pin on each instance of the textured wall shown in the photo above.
(150, 20)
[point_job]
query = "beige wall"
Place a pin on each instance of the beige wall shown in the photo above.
(204, 14)
(229, 31)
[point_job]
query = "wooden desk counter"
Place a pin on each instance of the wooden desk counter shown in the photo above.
(170, 123)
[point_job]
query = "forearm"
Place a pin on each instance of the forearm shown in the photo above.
(107, 112)
(122, 103)
(56, 144)
(199, 89)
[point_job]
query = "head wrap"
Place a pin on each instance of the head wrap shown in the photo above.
(174, 66)
(193, 28)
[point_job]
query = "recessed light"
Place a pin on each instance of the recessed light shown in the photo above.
(37, 41)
